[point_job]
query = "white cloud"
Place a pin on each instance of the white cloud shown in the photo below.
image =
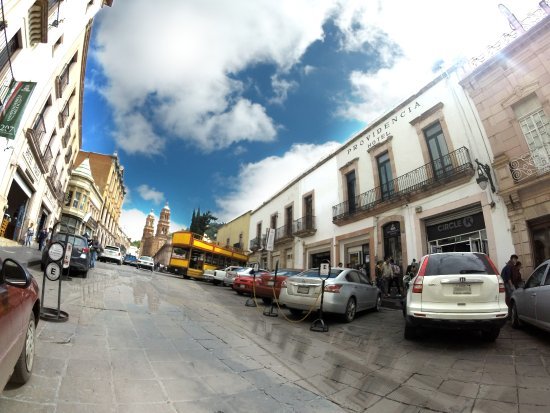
(268, 176)
(150, 194)
(425, 32)
(281, 88)
(180, 61)
(132, 222)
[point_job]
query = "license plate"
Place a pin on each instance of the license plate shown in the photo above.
(303, 290)
(270, 283)
(462, 289)
(241, 286)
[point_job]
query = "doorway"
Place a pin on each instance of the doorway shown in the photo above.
(18, 200)
(540, 235)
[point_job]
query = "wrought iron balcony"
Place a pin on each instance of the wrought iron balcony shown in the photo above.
(47, 158)
(284, 233)
(255, 244)
(441, 171)
(66, 136)
(64, 115)
(531, 164)
(68, 156)
(304, 226)
(53, 175)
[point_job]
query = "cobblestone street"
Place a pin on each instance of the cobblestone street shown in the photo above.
(141, 342)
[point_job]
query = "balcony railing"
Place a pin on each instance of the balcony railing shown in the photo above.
(64, 115)
(53, 175)
(47, 158)
(68, 156)
(62, 81)
(38, 129)
(284, 233)
(304, 226)
(66, 136)
(439, 172)
(34, 137)
(531, 164)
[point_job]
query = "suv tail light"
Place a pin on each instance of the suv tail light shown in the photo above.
(85, 250)
(419, 280)
(501, 288)
(333, 288)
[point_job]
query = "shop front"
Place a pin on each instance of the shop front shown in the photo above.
(458, 231)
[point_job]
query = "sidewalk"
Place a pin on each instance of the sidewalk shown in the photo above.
(29, 256)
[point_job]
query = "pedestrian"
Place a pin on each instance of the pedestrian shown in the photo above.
(517, 279)
(395, 278)
(409, 267)
(506, 275)
(42, 235)
(340, 265)
(29, 235)
(387, 274)
(93, 252)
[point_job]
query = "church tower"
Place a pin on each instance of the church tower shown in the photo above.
(163, 226)
(148, 231)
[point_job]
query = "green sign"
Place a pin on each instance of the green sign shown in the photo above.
(14, 108)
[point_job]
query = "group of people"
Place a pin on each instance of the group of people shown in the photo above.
(42, 237)
(389, 275)
(95, 248)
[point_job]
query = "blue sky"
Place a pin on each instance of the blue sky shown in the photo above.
(217, 104)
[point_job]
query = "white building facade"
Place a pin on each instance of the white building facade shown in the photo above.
(403, 187)
(45, 53)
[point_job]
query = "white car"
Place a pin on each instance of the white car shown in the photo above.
(111, 253)
(456, 290)
(146, 262)
(218, 276)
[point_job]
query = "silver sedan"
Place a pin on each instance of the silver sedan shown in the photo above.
(347, 291)
(531, 303)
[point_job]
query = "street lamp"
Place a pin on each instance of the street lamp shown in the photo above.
(484, 176)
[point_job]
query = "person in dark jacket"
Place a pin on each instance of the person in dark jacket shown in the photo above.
(42, 235)
(506, 275)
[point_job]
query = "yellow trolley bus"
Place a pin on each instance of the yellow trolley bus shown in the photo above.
(191, 255)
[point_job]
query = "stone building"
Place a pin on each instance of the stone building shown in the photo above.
(235, 232)
(511, 90)
(108, 175)
(43, 51)
(151, 244)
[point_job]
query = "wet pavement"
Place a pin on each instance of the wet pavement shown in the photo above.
(141, 342)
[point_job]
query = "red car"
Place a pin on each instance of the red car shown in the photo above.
(19, 313)
(266, 283)
(243, 283)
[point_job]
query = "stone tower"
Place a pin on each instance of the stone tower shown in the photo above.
(163, 226)
(148, 231)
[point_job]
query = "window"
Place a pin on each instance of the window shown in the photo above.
(68, 198)
(439, 153)
(288, 220)
(535, 280)
(274, 221)
(83, 203)
(227, 241)
(385, 175)
(76, 199)
(350, 185)
(259, 232)
(14, 44)
(535, 127)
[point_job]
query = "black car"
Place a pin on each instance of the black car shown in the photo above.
(80, 256)
(130, 260)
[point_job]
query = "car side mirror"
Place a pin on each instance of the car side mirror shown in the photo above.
(15, 274)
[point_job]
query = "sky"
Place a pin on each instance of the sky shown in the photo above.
(217, 104)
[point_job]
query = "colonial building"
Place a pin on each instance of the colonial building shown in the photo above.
(404, 186)
(83, 201)
(511, 90)
(43, 47)
(108, 175)
(235, 232)
(151, 244)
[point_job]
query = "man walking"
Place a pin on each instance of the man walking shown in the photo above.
(42, 235)
(29, 235)
(387, 274)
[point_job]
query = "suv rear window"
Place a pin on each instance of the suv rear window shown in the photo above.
(314, 273)
(467, 263)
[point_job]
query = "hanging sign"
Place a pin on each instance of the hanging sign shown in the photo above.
(14, 108)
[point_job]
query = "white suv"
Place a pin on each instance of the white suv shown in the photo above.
(111, 253)
(456, 290)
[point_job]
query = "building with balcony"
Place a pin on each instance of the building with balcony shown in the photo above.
(511, 89)
(83, 202)
(404, 186)
(43, 50)
(235, 232)
(108, 175)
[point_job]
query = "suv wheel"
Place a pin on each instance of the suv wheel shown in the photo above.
(490, 335)
(516, 322)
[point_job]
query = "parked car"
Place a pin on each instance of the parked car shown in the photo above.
(146, 262)
(19, 313)
(456, 290)
(130, 259)
(243, 283)
(347, 291)
(230, 275)
(268, 287)
(531, 303)
(80, 255)
(217, 276)
(111, 253)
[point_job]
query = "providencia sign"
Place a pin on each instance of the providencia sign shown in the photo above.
(12, 111)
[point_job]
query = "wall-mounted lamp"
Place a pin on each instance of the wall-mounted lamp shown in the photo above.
(484, 176)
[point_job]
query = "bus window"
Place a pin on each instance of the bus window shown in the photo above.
(197, 259)
(181, 253)
(209, 258)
